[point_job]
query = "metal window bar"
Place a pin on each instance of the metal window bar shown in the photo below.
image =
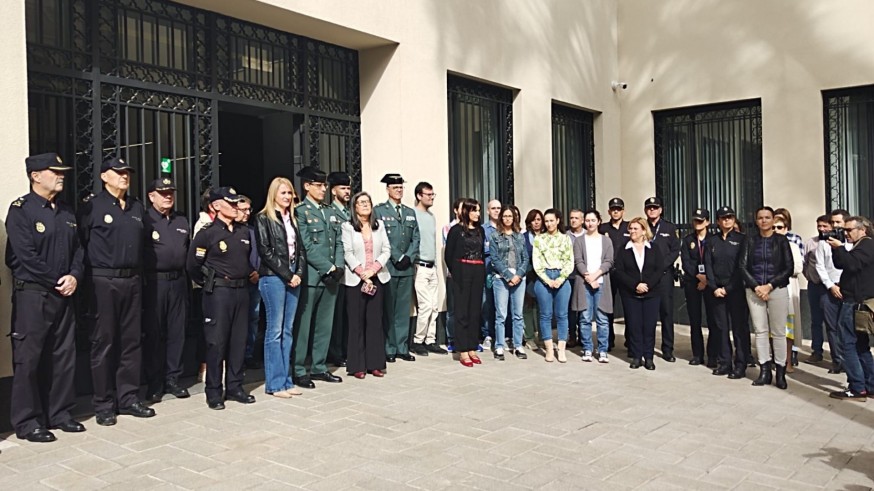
(849, 149)
(573, 158)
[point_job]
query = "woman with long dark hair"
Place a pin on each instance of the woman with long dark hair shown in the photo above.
(553, 260)
(281, 272)
(509, 264)
(366, 250)
(530, 316)
(464, 256)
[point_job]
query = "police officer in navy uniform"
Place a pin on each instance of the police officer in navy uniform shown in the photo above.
(664, 236)
(319, 229)
(46, 260)
(699, 293)
(403, 235)
(617, 229)
(729, 298)
(111, 228)
(218, 260)
(165, 298)
(341, 193)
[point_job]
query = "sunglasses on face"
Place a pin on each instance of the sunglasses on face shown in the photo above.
(779, 227)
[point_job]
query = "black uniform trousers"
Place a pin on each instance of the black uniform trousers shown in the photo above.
(337, 350)
(165, 317)
(225, 325)
(666, 313)
(366, 342)
(731, 316)
(641, 315)
(695, 301)
(611, 338)
(116, 356)
(468, 281)
(44, 360)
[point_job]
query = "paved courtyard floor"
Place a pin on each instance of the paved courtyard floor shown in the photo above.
(435, 424)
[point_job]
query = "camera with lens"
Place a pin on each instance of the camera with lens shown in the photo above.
(837, 233)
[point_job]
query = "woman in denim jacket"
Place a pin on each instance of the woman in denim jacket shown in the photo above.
(510, 262)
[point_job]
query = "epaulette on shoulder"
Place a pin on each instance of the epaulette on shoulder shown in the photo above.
(88, 197)
(206, 225)
(19, 202)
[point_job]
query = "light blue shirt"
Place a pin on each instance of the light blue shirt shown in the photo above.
(427, 235)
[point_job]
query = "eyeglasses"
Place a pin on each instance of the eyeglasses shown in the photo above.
(430, 195)
(779, 227)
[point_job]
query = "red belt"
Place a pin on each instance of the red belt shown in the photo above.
(471, 261)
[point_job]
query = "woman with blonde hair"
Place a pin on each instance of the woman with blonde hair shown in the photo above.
(638, 271)
(281, 273)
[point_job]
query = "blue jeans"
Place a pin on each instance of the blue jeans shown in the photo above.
(593, 297)
(254, 317)
(858, 362)
(817, 316)
(488, 324)
(831, 310)
(514, 297)
(280, 303)
(553, 300)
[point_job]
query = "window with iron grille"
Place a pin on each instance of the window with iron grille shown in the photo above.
(709, 156)
(480, 141)
(849, 149)
(573, 159)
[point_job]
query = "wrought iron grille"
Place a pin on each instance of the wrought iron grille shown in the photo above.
(849, 149)
(480, 140)
(106, 74)
(573, 158)
(709, 156)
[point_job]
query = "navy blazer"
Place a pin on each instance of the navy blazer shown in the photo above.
(627, 275)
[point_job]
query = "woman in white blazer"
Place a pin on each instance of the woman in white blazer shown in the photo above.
(366, 251)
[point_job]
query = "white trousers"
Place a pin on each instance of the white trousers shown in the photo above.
(770, 318)
(427, 308)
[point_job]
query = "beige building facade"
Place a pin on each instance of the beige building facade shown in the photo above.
(671, 54)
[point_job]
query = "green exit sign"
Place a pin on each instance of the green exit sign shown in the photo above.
(166, 166)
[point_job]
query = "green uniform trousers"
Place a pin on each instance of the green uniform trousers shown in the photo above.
(314, 329)
(398, 295)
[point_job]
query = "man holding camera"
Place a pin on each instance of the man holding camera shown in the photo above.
(857, 286)
(320, 235)
(832, 300)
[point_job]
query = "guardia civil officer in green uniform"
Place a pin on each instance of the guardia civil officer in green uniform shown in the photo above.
(341, 193)
(320, 235)
(403, 234)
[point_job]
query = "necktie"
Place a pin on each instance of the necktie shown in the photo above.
(398, 209)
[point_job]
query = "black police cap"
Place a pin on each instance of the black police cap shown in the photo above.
(312, 174)
(654, 201)
(226, 193)
(725, 211)
(390, 179)
(339, 178)
(43, 161)
(701, 214)
(163, 184)
(616, 203)
(115, 163)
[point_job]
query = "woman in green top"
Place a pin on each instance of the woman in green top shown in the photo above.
(553, 258)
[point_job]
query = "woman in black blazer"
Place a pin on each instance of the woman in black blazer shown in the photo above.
(639, 271)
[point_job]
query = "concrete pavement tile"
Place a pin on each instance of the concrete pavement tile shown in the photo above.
(340, 480)
(73, 481)
(724, 475)
(759, 479)
(134, 469)
(185, 478)
(632, 476)
(138, 483)
(758, 467)
(90, 465)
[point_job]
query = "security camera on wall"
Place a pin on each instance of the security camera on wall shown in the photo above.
(618, 85)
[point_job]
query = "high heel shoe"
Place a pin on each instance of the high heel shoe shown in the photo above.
(468, 363)
(377, 373)
(359, 375)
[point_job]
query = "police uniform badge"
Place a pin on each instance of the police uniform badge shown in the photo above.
(223, 246)
(155, 235)
(692, 246)
(652, 201)
(232, 190)
(166, 182)
(200, 252)
(40, 227)
(107, 218)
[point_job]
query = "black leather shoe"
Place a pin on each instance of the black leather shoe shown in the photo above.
(106, 418)
(341, 363)
(70, 426)
(176, 391)
(696, 361)
(240, 397)
(433, 348)
(138, 410)
(835, 369)
(720, 371)
(326, 377)
(390, 358)
(39, 435)
(419, 349)
(156, 396)
(406, 357)
(635, 364)
(216, 405)
(764, 375)
(739, 372)
(712, 364)
(649, 365)
(668, 357)
(304, 383)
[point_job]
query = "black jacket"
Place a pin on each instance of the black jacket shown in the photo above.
(857, 278)
(781, 265)
(273, 248)
(628, 275)
(721, 261)
(691, 255)
(665, 239)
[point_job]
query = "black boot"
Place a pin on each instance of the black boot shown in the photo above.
(739, 372)
(780, 381)
(764, 374)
